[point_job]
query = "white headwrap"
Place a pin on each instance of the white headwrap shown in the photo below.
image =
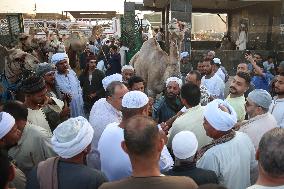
(127, 67)
(218, 119)
(260, 97)
(71, 137)
(217, 60)
(184, 144)
(58, 57)
(114, 77)
(134, 99)
(184, 54)
(175, 79)
(6, 123)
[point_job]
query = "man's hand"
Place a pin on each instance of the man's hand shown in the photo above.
(165, 128)
(249, 58)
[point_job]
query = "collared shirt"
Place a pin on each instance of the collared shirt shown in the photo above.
(115, 163)
(192, 121)
(102, 114)
(277, 110)
(215, 85)
(257, 126)
(33, 147)
(232, 161)
(70, 84)
(238, 103)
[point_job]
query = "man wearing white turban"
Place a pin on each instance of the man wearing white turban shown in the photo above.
(71, 141)
(9, 136)
(231, 154)
(127, 71)
(115, 163)
(170, 104)
(68, 83)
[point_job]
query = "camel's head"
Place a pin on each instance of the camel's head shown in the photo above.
(17, 63)
(25, 42)
(76, 41)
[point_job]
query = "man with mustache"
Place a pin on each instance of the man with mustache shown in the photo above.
(168, 105)
(236, 99)
(277, 106)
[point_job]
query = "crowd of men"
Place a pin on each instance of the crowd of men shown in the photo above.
(99, 129)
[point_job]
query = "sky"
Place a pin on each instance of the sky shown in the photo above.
(48, 6)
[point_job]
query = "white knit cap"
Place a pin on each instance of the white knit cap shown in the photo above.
(260, 97)
(134, 99)
(6, 123)
(58, 57)
(72, 136)
(218, 119)
(175, 79)
(127, 67)
(184, 144)
(111, 78)
(217, 60)
(184, 54)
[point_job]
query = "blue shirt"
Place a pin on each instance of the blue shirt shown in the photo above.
(261, 82)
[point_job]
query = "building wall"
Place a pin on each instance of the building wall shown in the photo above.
(263, 25)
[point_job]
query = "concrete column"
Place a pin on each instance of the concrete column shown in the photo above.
(281, 41)
(182, 11)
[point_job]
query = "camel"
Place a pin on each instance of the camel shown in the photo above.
(16, 65)
(154, 65)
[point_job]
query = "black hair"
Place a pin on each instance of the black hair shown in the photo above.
(134, 79)
(245, 76)
(17, 109)
(196, 73)
(191, 93)
(4, 168)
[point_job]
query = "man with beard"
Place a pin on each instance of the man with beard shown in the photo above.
(260, 120)
(236, 99)
(127, 72)
(68, 83)
(169, 104)
(200, 68)
(277, 106)
(37, 102)
(243, 67)
(212, 81)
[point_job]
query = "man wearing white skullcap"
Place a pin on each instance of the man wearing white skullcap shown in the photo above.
(231, 154)
(127, 71)
(71, 141)
(260, 120)
(184, 147)
(219, 70)
(168, 105)
(111, 78)
(105, 111)
(9, 136)
(68, 83)
(114, 161)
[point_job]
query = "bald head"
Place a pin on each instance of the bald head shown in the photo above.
(141, 136)
(242, 67)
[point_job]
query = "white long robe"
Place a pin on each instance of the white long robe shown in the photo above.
(215, 85)
(70, 84)
(102, 114)
(232, 161)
